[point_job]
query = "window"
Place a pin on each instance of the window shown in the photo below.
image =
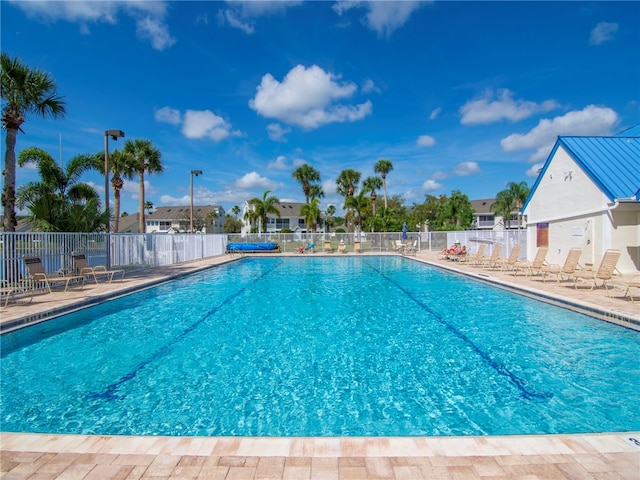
(485, 220)
(165, 226)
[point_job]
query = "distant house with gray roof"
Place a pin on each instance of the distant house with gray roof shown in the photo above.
(587, 195)
(289, 219)
(206, 219)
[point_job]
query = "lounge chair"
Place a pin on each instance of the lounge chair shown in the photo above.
(411, 249)
(327, 247)
(475, 258)
(38, 275)
(19, 291)
(399, 246)
(82, 266)
(628, 286)
(538, 262)
(342, 248)
(570, 266)
(507, 263)
(488, 262)
(605, 270)
(357, 247)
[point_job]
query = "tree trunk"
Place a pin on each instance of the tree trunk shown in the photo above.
(9, 193)
(141, 224)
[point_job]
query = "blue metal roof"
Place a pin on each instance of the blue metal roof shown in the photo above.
(612, 163)
(630, 132)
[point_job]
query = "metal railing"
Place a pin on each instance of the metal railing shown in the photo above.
(135, 251)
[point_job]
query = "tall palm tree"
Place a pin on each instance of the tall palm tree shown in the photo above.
(146, 159)
(503, 206)
(371, 184)
(24, 91)
(305, 174)
(264, 206)
(121, 166)
(148, 206)
(347, 182)
(383, 166)
(311, 213)
(520, 193)
(358, 208)
(60, 202)
(236, 210)
(346, 185)
(330, 212)
(316, 191)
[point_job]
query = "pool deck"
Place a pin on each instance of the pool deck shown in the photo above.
(598, 456)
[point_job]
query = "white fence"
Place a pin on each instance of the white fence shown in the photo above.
(134, 251)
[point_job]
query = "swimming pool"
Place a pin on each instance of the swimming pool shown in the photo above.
(321, 346)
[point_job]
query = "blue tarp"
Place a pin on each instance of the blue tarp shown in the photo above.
(252, 247)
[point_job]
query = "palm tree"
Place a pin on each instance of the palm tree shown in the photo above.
(60, 202)
(148, 206)
(346, 185)
(264, 206)
(236, 210)
(145, 158)
(121, 166)
(306, 175)
(23, 91)
(358, 208)
(316, 191)
(371, 184)
(520, 193)
(311, 213)
(330, 212)
(503, 206)
(383, 167)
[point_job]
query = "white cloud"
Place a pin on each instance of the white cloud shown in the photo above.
(434, 113)
(306, 98)
(242, 14)
(487, 110)
(197, 123)
(425, 141)
(383, 17)
(590, 121)
(206, 124)
(603, 32)
(254, 180)
(466, 168)
(370, 87)
(168, 115)
(277, 132)
(431, 186)
(231, 18)
(329, 187)
(279, 163)
(534, 170)
(156, 31)
(149, 16)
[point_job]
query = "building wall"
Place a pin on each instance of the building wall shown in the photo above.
(578, 214)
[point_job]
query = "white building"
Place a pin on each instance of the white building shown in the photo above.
(588, 196)
(206, 219)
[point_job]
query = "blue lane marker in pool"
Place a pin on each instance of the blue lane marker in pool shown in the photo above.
(501, 369)
(110, 392)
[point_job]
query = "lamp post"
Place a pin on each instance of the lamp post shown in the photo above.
(114, 134)
(196, 173)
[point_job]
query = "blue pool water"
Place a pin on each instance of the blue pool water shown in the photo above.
(318, 346)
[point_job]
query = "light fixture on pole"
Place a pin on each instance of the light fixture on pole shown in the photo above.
(196, 173)
(114, 134)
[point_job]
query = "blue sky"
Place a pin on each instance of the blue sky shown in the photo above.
(458, 95)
